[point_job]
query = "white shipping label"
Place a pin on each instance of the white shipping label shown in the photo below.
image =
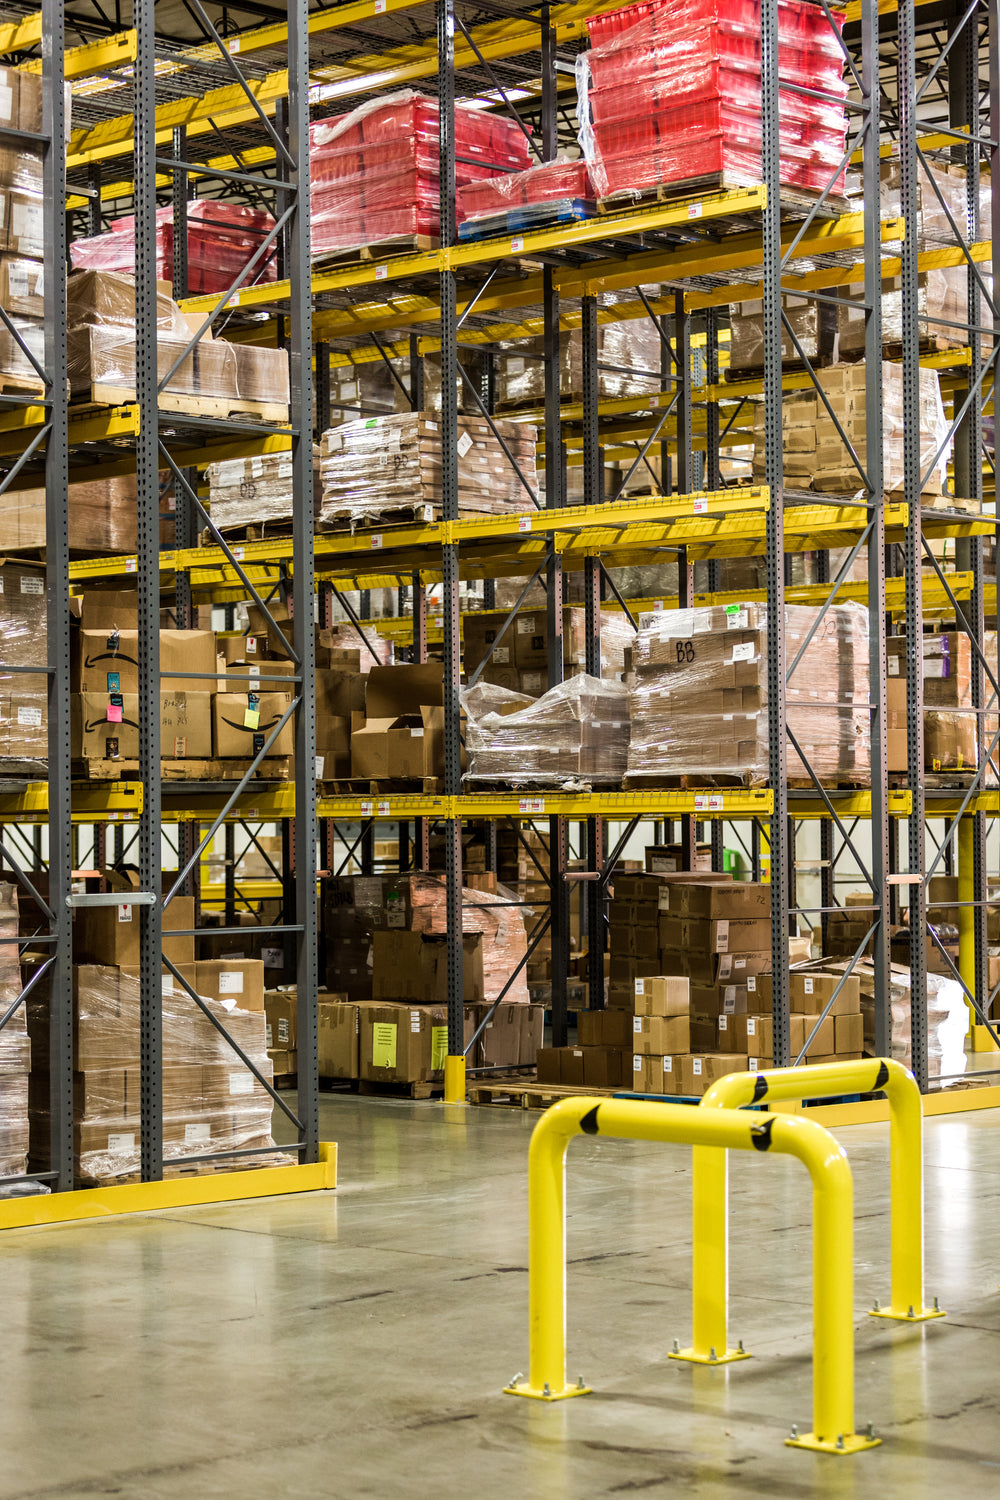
(268, 1036)
(723, 1023)
(636, 1062)
(6, 105)
(121, 1142)
(501, 655)
(125, 913)
(753, 1064)
(637, 1023)
(736, 618)
(668, 1065)
(725, 966)
(663, 897)
(464, 444)
(751, 1025)
(30, 585)
(640, 986)
(199, 1134)
(416, 734)
(743, 652)
(250, 645)
(167, 984)
(31, 717)
(231, 982)
(722, 935)
(526, 625)
(283, 1032)
(696, 1066)
(415, 1020)
(739, 963)
(808, 986)
(241, 1083)
(893, 666)
(320, 763)
(752, 983)
(729, 1000)
(17, 278)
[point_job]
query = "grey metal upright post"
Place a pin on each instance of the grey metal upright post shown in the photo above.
(876, 538)
(595, 894)
(906, 86)
(449, 504)
(303, 622)
(993, 132)
(777, 755)
(60, 1060)
(147, 549)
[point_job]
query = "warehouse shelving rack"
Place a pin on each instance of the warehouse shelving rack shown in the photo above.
(337, 309)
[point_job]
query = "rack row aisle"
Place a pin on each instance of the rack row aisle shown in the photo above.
(587, 436)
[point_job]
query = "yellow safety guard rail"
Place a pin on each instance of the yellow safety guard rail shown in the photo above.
(710, 1282)
(719, 1129)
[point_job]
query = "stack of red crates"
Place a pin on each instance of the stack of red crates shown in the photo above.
(375, 174)
(675, 96)
(549, 182)
(221, 239)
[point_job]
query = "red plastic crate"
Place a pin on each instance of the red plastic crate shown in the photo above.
(699, 81)
(550, 182)
(671, 50)
(793, 16)
(221, 239)
(411, 116)
(741, 127)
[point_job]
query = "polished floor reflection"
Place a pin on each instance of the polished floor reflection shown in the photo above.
(356, 1344)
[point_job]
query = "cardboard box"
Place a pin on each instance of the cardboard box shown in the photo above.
(186, 725)
(662, 995)
(532, 1019)
(402, 734)
(108, 610)
(281, 1013)
(849, 1033)
(822, 1044)
(110, 934)
(605, 1028)
(809, 993)
(753, 1035)
(501, 1039)
(699, 1073)
(413, 967)
(605, 1068)
(721, 935)
(654, 1073)
(238, 980)
(715, 899)
(402, 1044)
(284, 1063)
(338, 1039)
(242, 723)
(661, 1034)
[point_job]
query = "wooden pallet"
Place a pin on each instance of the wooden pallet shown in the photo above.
(272, 768)
(400, 244)
(256, 531)
(788, 367)
(21, 385)
(690, 783)
(425, 513)
(795, 202)
(930, 343)
(182, 403)
(515, 1093)
(953, 503)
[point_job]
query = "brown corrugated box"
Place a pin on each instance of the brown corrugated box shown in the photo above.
(234, 736)
(699, 1073)
(661, 1034)
(110, 934)
(810, 992)
(281, 1019)
(413, 967)
(724, 935)
(240, 981)
(402, 1044)
(338, 1039)
(402, 734)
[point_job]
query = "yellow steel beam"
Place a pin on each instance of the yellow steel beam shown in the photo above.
(113, 802)
(18, 36)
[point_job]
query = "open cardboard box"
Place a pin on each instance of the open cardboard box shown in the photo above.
(401, 733)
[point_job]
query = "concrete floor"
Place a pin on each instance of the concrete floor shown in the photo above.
(355, 1344)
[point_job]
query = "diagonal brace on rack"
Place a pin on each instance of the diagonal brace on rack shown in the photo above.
(537, 933)
(230, 555)
(971, 791)
(532, 495)
(985, 292)
(833, 998)
(355, 622)
(959, 416)
(234, 798)
(13, 472)
(23, 878)
(15, 1005)
(804, 227)
(528, 849)
(829, 805)
(618, 595)
(968, 993)
(197, 9)
(607, 874)
(983, 660)
(505, 626)
(244, 1059)
(497, 85)
(648, 444)
(825, 399)
(842, 577)
(368, 824)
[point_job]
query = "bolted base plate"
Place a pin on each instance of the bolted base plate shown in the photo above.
(693, 1357)
(850, 1442)
(522, 1388)
(923, 1316)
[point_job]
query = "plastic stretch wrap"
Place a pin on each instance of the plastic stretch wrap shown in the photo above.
(102, 516)
(942, 292)
(502, 926)
(576, 732)
(251, 491)
(15, 1048)
(950, 742)
(814, 453)
(798, 22)
(698, 693)
(211, 1101)
(221, 239)
(813, 323)
(558, 181)
(676, 96)
(374, 172)
(370, 389)
(628, 359)
(933, 227)
(380, 464)
(947, 1023)
(23, 636)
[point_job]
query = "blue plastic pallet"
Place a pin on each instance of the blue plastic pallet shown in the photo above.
(519, 220)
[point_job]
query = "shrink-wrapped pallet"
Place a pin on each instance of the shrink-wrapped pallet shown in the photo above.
(698, 694)
(556, 186)
(221, 239)
(379, 465)
(628, 358)
(492, 914)
(15, 1046)
(374, 173)
(576, 732)
(255, 491)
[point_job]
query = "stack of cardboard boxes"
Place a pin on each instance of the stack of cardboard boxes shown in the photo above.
(22, 241)
(212, 1102)
(15, 1045)
(23, 643)
(950, 721)
(519, 659)
(576, 733)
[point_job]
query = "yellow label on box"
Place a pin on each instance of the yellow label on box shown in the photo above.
(384, 1044)
(439, 1046)
(251, 718)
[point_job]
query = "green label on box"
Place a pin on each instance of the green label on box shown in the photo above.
(384, 1044)
(439, 1046)
(732, 609)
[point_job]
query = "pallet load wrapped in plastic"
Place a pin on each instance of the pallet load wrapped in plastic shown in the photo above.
(221, 239)
(381, 465)
(628, 359)
(22, 242)
(212, 1102)
(518, 659)
(15, 1046)
(551, 192)
(814, 325)
(102, 515)
(24, 743)
(698, 694)
(501, 924)
(814, 454)
(255, 491)
(374, 173)
(575, 733)
(674, 99)
(102, 345)
(947, 1018)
